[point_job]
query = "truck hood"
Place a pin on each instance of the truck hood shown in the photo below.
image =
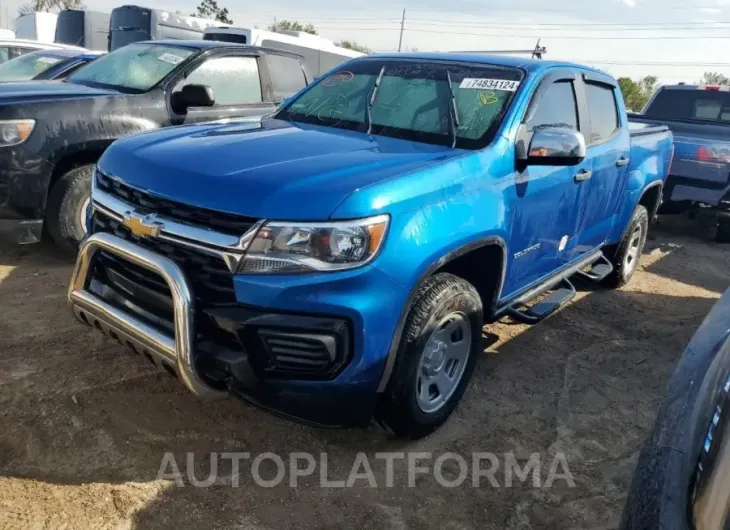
(267, 169)
(11, 93)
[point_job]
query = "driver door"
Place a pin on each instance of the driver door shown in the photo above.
(237, 89)
(547, 199)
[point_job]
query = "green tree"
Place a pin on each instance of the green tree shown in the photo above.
(714, 78)
(49, 6)
(292, 26)
(351, 45)
(637, 93)
(209, 9)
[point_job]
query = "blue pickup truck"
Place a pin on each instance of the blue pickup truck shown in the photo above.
(699, 179)
(336, 261)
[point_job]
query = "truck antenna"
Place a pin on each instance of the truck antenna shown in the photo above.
(538, 51)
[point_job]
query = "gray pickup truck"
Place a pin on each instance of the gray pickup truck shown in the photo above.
(699, 179)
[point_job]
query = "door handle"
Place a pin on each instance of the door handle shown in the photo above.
(621, 162)
(582, 175)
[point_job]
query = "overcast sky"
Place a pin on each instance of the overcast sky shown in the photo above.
(577, 30)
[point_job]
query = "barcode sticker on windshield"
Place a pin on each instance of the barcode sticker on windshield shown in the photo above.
(490, 84)
(170, 58)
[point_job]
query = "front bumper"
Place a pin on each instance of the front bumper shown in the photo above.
(311, 307)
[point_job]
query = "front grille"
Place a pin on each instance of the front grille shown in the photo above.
(212, 282)
(144, 203)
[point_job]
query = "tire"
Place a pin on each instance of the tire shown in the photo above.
(66, 212)
(723, 230)
(626, 255)
(444, 302)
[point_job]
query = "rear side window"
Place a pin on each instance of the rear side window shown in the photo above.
(603, 112)
(235, 80)
(287, 75)
(691, 104)
(556, 108)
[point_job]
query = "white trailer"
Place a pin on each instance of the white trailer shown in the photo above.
(37, 26)
(320, 55)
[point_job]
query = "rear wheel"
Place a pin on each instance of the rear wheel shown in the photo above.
(67, 204)
(723, 230)
(436, 357)
(626, 255)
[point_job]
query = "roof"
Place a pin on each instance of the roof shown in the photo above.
(39, 45)
(199, 44)
(63, 52)
(214, 44)
(697, 86)
(531, 65)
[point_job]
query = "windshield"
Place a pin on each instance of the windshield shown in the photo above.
(412, 101)
(691, 104)
(135, 68)
(27, 66)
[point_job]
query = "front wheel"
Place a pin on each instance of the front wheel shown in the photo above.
(436, 357)
(626, 255)
(67, 204)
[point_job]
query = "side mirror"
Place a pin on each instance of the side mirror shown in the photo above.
(193, 96)
(555, 146)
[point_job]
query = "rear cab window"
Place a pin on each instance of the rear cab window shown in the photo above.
(690, 104)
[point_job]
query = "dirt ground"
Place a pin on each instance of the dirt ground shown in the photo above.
(85, 425)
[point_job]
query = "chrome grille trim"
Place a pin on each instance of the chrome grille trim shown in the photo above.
(229, 248)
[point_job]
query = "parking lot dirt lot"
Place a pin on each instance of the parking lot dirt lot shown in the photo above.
(85, 425)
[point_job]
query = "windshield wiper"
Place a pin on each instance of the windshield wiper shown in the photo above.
(453, 111)
(371, 98)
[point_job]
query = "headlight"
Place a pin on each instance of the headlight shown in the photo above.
(309, 247)
(14, 132)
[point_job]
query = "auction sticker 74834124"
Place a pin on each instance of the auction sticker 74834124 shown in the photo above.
(490, 84)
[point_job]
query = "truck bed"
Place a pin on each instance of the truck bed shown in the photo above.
(637, 128)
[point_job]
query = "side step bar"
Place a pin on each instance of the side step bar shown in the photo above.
(553, 302)
(546, 307)
(598, 271)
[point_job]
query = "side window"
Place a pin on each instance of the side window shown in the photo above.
(234, 79)
(557, 107)
(17, 52)
(287, 75)
(4, 54)
(70, 70)
(603, 112)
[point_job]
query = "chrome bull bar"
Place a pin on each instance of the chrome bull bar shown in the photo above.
(177, 352)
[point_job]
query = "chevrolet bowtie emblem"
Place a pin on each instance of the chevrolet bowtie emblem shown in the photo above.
(142, 225)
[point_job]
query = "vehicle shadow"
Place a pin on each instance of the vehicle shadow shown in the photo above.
(86, 426)
(696, 258)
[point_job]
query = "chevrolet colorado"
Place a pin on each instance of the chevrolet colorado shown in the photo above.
(52, 134)
(336, 261)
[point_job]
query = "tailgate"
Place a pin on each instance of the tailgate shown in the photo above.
(700, 155)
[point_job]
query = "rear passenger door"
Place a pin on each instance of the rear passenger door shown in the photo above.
(237, 89)
(608, 146)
